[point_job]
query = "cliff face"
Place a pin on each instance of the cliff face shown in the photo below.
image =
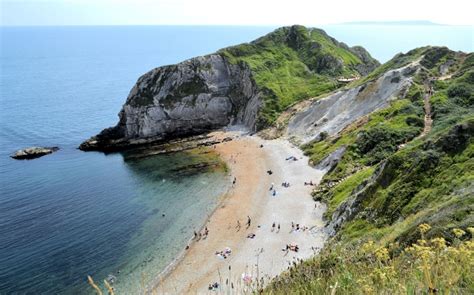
(192, 97)
(385, 169)
(331, 114)
(249, 84)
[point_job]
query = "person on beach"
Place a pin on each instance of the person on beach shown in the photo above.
(238, 225)
(292, 226)
(278, 228)
(271, 187)
(206, 232)
(235, 180)
(249, 221)
(273, 226)
(195, 235)
(274, 193)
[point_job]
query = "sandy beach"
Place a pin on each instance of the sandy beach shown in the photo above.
(262, 256)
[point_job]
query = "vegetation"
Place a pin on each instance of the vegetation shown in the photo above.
(295, 63)
(417, 181)
(428, 266)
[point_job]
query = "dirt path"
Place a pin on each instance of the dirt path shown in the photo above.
(427, 107)
(428, 121)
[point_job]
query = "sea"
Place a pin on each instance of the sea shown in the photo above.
(72, 214)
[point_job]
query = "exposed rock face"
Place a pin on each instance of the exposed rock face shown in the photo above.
(33, 152)
(331, 114)
(352, 206)
(330, 162)
(198, 95)
(368, 62)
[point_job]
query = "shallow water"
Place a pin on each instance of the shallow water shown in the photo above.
(72, 213)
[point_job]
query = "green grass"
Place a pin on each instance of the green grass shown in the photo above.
(292, 64)
(344, 189)
(430, 180)
(374, 141)
(430, 266)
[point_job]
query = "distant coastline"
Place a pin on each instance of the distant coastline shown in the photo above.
(396, 23)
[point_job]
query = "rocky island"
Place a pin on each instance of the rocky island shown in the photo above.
(33, 152)
(391, 146)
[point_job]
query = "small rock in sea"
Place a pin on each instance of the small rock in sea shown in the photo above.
(33, 152)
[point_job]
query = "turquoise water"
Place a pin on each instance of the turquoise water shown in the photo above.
(72, 213)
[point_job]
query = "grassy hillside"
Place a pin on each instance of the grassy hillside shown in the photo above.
(411, 229)
(295, 63)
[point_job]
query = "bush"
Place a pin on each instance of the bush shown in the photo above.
(323, 135)
(459, 90)
(415, 121)
(428, 266)
(380, 142)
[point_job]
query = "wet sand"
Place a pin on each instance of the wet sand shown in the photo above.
(262, 256)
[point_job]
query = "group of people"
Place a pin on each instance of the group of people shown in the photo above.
(198, 236)
(249, 222)
(291, 247)
(309, 183)
(274, 226)
(297, 227)
(272, 189)
(224, 253)
(285, 184)
(213, 286)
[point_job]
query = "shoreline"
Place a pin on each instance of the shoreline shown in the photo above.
(175, 262)
(196, 267)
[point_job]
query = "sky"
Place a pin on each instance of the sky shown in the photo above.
(235, 12)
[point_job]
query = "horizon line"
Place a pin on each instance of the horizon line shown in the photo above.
(352, 23)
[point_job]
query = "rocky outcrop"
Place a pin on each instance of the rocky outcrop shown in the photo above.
(198, 95)
(330, 162)
(329, 115)
(241, 84)
(368, 62)
(33, 152)
(174, 145)
(352, 206)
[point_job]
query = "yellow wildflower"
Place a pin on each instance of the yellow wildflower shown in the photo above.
(368, 247)
(367, 289)
(438, 243)
(424, 227)
(471, 230)
(422, 242)
(458, 232)
(382, 254)
(379, 275)
(419, 251)
(469, 245)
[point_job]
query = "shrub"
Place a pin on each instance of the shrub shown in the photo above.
(459, 90)
(415, 121)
